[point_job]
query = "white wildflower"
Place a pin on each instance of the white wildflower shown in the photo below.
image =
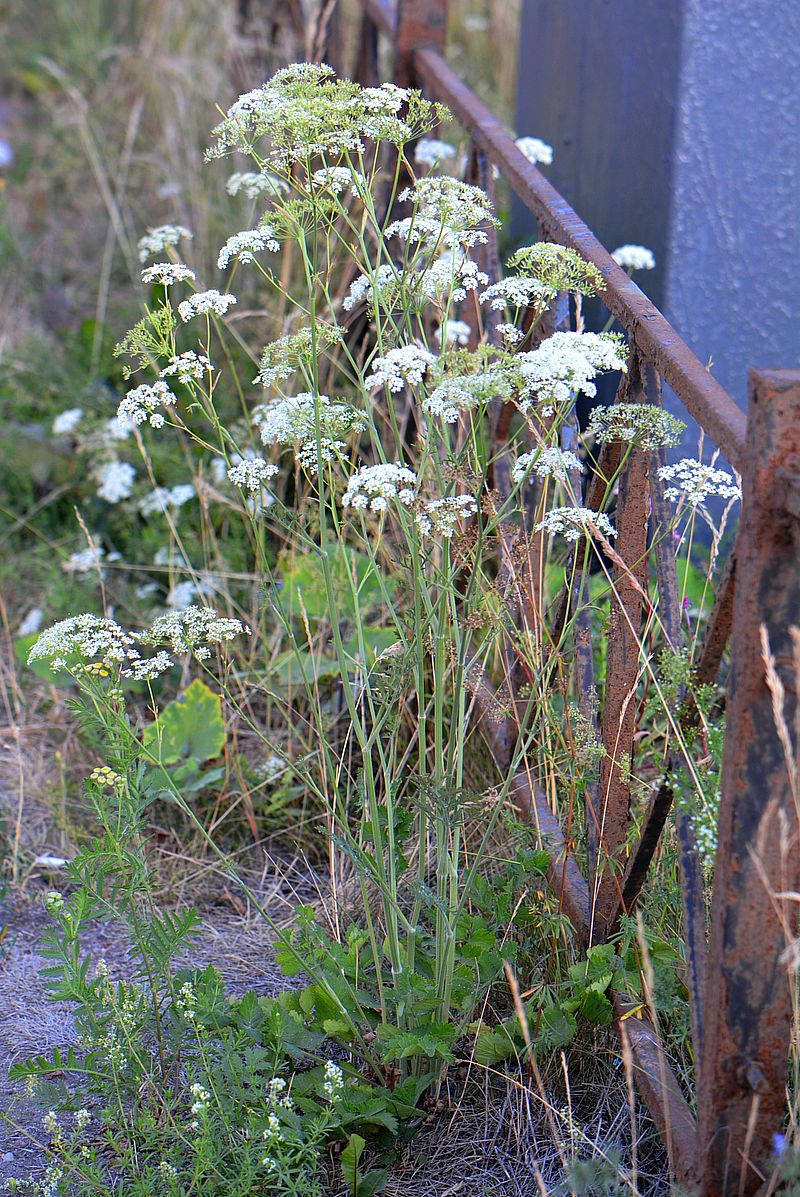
(165, 236)
(641, 424)
(82, 1118)
(442, 515)
(452, 204)
(254, 183)
(168, 273)
(188, 367)
(83, 561)
(252, 473)
(204, 302)
(148, 668)
(282, 358)
(549, 462)
(116, 429)
(143, 403)
(694, 482)
(398, 367)
(32, 622)
(337, 179)
(115, 481)
(574, 522)
(162, 498)
(373, 486)
(67, 420)
(277, 1094)
(84, 637)
(303, 420)
(510, 333)
(429, 151)
(457, 332)
(244, 246)
(366, 287)
(517, 291)
(464, 392)
(192, 631)
(535, 150)
(449, 279)
(201, 1098)
(334, 1081)
(634, 257)
(566, 364)
(181, 595)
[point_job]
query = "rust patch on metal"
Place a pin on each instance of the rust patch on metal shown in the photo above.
(748, 1021)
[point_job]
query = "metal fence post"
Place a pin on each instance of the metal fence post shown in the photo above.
(419, 23)
(743, 1069)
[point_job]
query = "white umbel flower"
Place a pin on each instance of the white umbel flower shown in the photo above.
(308, 421)
(244, 246)
(634, 257)
(374, 486)
(254, 184)
(164, 237)
(457, 332)
(143, 404)
(566, 364)
(549, 462)
(66, 421)
(115, 481)
(337, 179)
(694, 482)
(187, 367)
(193, 630)
(535, 150)
(205, 302)
(442, 515)
(429, 151)
(398, 367)
(574, 522)
(517, 291)
(162, 498)
(168, 273)
(641, 424)
(251, 473)
(366, 287)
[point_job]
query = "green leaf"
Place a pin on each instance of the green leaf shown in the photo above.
(433, 1040)
(349, 1160)
(189, 729)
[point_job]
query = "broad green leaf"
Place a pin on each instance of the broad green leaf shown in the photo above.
(190, 728)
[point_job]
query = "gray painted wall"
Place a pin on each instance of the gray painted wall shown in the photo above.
(676, 123)
(733, 265)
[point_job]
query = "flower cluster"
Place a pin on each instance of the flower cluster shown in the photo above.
(192, 631)
(442, 515)
(634, 257)
(252, 473)
(83, 637)
(310, 422)
(104, 777)
(517, 291)
(115, 481)
(693, 482)
(334, 1081)
(188, 367)
(641, 424)
(384, 283)
(447, 280)
(398, 367)
(164, 237)
(463, 392)
(566, 364)
(446, 212)
(374, 486)
(284, 357)
(429, 152)
(557, 267)
(549, 462)
(255, 183)
(204, 302)
(168, 273)
(143, 404)
(163, 497)
(66, 421)
(244, 246)
(306, 112)
(457, 332)
(337, 179)
(574, 522)
(535, 150)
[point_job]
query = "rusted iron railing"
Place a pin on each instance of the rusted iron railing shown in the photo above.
(736, 974)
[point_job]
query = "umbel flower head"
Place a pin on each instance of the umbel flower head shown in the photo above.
(557, 268)
(374, 486)
(312, 423)
(566, 364)
(641, 424)
(574, 522)
(694, 482)
(305, 112)
(549, 462)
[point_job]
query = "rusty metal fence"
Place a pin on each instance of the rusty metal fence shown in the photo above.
(736, 963)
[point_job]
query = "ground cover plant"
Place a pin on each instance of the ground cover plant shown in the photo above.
(340, 532)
